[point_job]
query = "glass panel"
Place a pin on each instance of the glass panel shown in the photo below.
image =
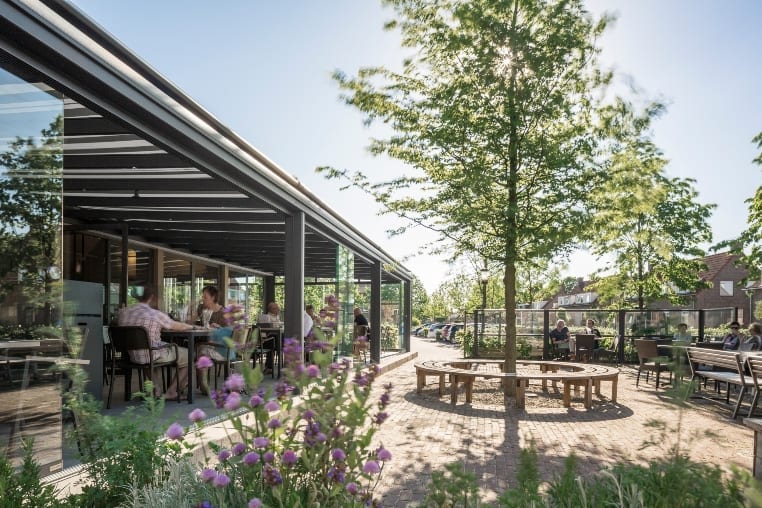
(248, 290)
(31, 185)
(345, 284)
(176, 291)
(391, 317)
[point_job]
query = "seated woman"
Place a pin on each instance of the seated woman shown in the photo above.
(216, 346)
(559, 336)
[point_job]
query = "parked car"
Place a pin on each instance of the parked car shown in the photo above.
(433, 329)
(455, 328)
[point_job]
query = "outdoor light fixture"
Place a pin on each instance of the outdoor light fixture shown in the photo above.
(484, 275)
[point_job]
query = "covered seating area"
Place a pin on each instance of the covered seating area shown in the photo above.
(142, 185)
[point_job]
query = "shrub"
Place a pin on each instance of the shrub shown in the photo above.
(23, 487)
(315, 454)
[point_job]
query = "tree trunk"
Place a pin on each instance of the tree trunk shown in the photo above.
(510, 324)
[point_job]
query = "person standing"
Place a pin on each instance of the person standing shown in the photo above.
(153, 320)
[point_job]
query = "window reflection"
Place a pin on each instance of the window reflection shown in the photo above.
(31, 160)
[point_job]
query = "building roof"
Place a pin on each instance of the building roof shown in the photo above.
(139, 152)
(715, 263)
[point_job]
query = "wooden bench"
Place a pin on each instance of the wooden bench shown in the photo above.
(704, 361)
(575, 375)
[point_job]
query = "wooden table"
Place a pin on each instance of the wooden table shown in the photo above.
(188, 337)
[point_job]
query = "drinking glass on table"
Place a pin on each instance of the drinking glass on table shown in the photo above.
(206, 316)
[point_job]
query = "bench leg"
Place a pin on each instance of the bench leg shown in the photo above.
(453, 389)
(613, 388)
(754, 400)
(521, 386)
(469, 389)
(597, 385)
(740, 398)
(589, 394)
(421, 382)
(441, 384)
(567, 394)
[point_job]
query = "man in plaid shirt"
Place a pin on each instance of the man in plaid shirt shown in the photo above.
(153, 320)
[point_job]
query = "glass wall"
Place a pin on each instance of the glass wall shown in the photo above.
(31, 186)
(345, 290)
(391, 316)
(177, 289)
(247, 290)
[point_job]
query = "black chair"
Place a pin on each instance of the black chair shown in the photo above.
(360, 347)
(263, 346)
(584, 349)
(650, 361)
(124, 339)
(240, 337)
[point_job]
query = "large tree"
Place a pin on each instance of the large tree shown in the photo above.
(492, 115)
(649, 225)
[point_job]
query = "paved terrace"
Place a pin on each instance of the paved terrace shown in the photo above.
(424, 432)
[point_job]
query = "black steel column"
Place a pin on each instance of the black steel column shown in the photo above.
(546, 334)
(124, 279)
(294, 276)
(375, 311)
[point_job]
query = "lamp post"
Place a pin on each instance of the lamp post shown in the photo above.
(750, 292)
(483, 279)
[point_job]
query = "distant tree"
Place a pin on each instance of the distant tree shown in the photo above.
(419, 297)
(494, 114)
(649, 224)
(749, 244)
(536, 282)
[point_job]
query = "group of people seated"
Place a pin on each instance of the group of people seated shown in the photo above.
(210, 314)
(562, 340)
(736, 340)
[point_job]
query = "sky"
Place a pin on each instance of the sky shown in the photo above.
(264, 69)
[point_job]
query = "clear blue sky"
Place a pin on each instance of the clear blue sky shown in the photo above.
(263, 68)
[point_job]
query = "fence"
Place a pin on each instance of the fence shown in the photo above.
(619, 328)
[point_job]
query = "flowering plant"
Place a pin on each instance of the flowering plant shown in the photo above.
(311, 451)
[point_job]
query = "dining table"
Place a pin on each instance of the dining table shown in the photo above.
(188, 338)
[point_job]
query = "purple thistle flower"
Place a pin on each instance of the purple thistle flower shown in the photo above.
(208, 474)
(313, 371)
(336, 474)
(197, 415)
(256, 401)
(383, 454)
(261, 442)
(308, 415)
(320, 437)
(251, 458)
(204, 362)
(289, 458)
(380, 418)
(221, 480)
(352, 488)
(383, 400)
(361, 379)
(272, 405)
(235, 383)
(233, 401)
(338, 455)
(282, 390)
(223, 455)
(238, 449)
(175, 431)
(337, 432)
(268, 457)
(255, 503)
(272, 475)
(205, 504)
(273, 424)
(371, 467)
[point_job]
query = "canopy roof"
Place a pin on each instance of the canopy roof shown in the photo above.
(138, 151)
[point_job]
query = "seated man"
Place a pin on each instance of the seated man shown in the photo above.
(559, 336)
(144, 314)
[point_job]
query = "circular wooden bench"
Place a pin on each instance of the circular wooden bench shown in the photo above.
(576, 375)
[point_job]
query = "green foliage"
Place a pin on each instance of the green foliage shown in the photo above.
(523, 349)
(121, 451)
(22, 488)
(493, 115)
(389, 338)
(452, 488)
(649, 225)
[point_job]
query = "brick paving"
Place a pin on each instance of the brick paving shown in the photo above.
(424, 432)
